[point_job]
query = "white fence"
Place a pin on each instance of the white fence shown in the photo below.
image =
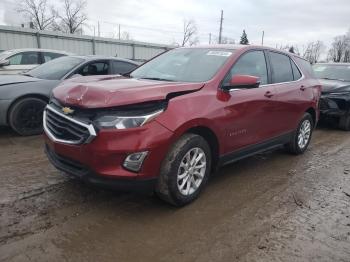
(13, 37)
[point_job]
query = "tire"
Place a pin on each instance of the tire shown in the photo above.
(295, 146)
(174, 169)
(26, 116)
(344, 122)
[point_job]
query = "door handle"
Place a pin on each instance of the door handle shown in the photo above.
(268, 94)
(302, 88)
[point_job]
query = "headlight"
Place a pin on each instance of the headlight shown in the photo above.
(124, 122)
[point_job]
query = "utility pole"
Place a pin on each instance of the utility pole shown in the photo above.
(98, 29)
(209, 38)
(262, 38)
(220, 32)
(119, 31)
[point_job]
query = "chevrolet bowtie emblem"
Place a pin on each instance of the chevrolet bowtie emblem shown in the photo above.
(67, 110)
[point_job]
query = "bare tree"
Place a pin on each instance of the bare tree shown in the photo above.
(125, 36)
(313, 51)
(340, 49)
(189, 33)
(73, 16)
(37, 13)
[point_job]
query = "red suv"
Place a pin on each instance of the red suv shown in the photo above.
(174, 120)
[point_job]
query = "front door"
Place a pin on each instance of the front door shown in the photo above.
(250, 113)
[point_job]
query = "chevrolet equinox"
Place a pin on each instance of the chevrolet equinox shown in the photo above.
(173, 121)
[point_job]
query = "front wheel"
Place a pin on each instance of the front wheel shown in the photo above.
(301, 137)
(185, 170)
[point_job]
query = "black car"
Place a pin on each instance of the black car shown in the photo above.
(24, 96)
(335, 99)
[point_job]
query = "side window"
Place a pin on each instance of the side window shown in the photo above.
(94, 68)
(47, 56)
(281, 68)
(25, 58)
(296, 73)
(122, 67)
(252, 63)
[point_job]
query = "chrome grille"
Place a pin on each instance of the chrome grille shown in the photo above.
(64, 129)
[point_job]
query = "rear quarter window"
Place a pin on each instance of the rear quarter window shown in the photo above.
(48, 56)
(305, 66)
(120, 67)
(296, 72)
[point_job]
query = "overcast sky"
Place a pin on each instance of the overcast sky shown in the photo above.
(160, 21)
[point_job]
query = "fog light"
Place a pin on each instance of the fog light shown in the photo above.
(133, 162)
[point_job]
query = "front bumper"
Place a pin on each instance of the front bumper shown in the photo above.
(77, 170)
(101, 160)
(334, 105)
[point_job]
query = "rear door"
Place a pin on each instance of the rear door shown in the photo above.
(250, 113)
(288, 81)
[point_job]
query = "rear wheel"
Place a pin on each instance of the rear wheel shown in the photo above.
(185, 170)
(26, 116)
(301, 137)
(344, 122)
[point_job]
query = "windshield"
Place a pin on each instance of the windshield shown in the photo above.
(339, 72)
(5, 54)
(184, 65)
(55, 69)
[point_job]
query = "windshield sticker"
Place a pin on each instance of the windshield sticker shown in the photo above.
(219, 53)
(319, 68)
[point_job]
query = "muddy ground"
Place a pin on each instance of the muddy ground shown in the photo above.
(271, 207)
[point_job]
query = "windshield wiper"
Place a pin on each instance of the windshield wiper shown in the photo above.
(157, 78)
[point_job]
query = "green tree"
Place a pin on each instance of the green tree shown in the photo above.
(244, 39)
(291, 49)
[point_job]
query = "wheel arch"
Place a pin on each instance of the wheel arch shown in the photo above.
(313, 114)
(210, 136)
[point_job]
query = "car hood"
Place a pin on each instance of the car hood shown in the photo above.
(329, 86)
(98, 92)
(16, 79)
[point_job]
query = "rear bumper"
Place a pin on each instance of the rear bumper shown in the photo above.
(83, 173)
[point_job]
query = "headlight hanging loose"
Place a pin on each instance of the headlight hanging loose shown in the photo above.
(124, 122)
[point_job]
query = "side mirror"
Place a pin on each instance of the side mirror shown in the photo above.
(242, 82)
(4, 62)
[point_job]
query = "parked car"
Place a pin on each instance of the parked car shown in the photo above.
(20, 60)
(175, 119)
(335, 99)
(24, 96)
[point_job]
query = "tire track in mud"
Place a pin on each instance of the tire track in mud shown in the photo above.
(295, 210)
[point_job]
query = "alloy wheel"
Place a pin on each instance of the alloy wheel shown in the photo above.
(191, 171)
(304, 133)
